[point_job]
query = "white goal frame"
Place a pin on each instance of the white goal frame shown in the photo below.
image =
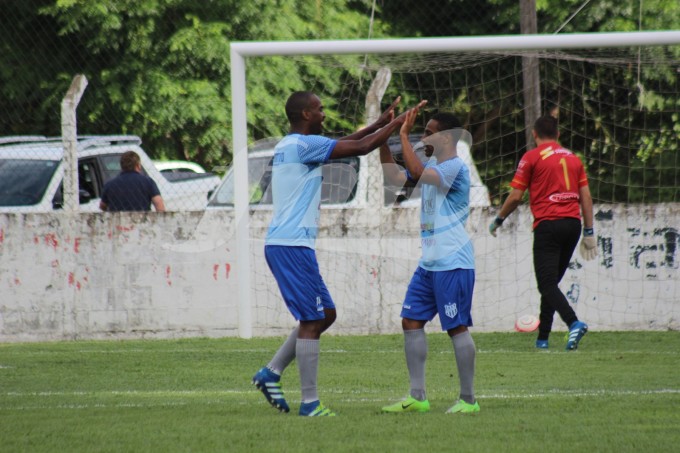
(239, 51)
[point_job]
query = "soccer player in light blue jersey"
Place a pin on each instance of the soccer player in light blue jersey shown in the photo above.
(444, 280)
(290, 241)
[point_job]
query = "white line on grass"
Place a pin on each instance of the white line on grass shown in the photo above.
(217, 393)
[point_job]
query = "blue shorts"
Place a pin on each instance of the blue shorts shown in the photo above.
(296, 271)
(447, 293)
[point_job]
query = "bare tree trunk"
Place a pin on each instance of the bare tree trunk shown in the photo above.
(530, 76)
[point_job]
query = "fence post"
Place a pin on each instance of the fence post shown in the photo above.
(69, 137)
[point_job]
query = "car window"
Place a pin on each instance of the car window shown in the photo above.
(339, 185)
(88, 186)
(110, 166)
(23, 181)
(87, 177)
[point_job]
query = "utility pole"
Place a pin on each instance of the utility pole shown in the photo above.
(530, 77)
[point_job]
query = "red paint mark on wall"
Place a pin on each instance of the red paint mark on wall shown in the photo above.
(76, 245)
(168, 271)
(51, 240)
(17, 281)
(125, 228)
(2, 236)
(72, 281)
(55, 263)
(216, 268)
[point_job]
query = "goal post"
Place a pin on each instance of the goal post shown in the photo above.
(512, 44)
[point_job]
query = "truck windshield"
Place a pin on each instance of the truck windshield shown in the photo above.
(339, 182)
(23, 181)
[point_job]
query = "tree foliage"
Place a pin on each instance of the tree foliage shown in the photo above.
(160, 69)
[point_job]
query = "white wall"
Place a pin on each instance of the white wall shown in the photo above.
(133, 275)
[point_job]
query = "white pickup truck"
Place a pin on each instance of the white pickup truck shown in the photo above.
(31, 174)
(345, 181)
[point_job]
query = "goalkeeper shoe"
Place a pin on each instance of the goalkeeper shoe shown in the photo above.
(315, 409)
(410, 404)
(542, 344)
(576, 332)
(461, 407)
(268, 383)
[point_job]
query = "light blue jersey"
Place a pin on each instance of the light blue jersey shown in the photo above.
(296, 189)
(444, 212)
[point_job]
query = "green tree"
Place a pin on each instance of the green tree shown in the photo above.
(160, 68)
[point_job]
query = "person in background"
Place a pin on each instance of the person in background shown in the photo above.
(131, 190)
(558, 196)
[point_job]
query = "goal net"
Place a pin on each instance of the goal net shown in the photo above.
(618, 108)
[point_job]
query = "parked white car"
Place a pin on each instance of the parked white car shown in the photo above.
(31, 174)
(177, 166)
(345, 181)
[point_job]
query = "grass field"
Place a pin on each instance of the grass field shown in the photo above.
(619, 392)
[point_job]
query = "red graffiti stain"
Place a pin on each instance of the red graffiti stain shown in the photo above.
(36, 240)
(73, 282)
(17, 281)
(168, 270)
(76, 245)
(2, 236)
(51, 240)
(55, 263)
(215, 268)
(227, 268)
(125, 228)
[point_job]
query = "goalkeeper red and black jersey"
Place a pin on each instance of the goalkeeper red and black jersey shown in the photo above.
(553, 175)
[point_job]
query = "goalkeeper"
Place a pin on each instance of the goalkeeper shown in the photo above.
(558, 187)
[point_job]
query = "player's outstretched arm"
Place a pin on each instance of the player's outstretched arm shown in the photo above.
(348, 148)
(385, 118)
(415, 167)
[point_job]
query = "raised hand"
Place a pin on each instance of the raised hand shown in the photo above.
(409, 117)
(388, 114)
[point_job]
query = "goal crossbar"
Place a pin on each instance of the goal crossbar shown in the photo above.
(461, 44)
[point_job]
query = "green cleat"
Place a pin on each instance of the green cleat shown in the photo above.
(315, 409)
(410, 404)
(464, 408)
